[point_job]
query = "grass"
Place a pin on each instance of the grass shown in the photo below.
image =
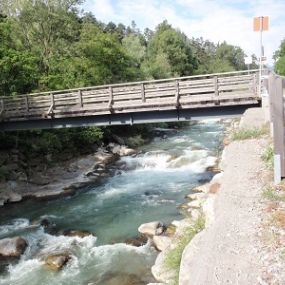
(245, 134)
(271, 194)
(173, 258)
(267, 157)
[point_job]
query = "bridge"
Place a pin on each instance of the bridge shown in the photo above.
(174, 99)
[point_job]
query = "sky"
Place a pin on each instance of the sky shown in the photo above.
(216, 20)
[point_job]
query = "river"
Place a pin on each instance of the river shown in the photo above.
(146, 187)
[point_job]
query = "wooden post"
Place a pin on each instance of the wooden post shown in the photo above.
(1, 107)
(27, 103)
(177, 104)
(143, 92)
(276, 85)
(52, 105)
(80, 99)
(110, 98)
(255, 85)
(216, 87)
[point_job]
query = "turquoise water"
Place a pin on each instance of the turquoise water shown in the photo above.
(145, 188)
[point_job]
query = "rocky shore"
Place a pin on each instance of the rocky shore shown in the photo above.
(230, 242)
(64, 179)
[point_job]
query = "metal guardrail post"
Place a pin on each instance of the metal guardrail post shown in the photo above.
(276, 87)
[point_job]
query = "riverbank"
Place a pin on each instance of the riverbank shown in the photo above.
(65, 178)
(243, 239)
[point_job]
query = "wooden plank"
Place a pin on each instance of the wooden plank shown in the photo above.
(234, 87)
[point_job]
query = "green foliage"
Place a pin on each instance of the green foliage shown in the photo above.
(267, 157)
(217, 58)
(244, 134)
(270, 194)
(279, 57)
(135, 141)
(169, 48)
(34, 143)
(173, 258)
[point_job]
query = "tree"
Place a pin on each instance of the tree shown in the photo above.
(97, 58)
(232, 54)
(46, 28)
(170, 47)
(18, 68)
(279, 57)
(134, 47)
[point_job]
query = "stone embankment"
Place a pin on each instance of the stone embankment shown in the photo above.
(231, 249)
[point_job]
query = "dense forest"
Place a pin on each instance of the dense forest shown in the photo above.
(51, 45)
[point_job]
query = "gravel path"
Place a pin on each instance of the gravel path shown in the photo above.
(227, 251)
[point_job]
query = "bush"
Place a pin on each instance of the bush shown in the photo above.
(135, 141)
(173, 258)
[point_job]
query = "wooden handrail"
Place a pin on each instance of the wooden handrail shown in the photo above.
(233, 88)
(140, 82)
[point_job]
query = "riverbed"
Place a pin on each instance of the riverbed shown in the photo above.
(146, 187)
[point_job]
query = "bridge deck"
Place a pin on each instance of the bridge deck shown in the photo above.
(184, 93)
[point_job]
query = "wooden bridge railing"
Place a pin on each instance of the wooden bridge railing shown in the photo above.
(232, 88)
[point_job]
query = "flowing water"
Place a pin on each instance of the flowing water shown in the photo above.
(145, 187)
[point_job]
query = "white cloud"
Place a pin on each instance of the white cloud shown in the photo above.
(215, 20)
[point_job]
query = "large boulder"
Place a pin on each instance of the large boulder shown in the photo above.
(12, 247)
(57, 261)
(151, 229)
(121, 150)
(14, 197)
(161, 242)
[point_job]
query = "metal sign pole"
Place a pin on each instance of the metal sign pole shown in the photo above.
(260, 58)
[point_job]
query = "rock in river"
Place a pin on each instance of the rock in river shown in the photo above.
(12, 247)
(137, 241)
(77, 233)
(152, 228)
(57, 261)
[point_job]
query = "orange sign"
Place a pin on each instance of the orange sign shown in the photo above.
(260, 24)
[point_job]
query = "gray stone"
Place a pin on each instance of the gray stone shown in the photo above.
(12, 247)
(14, 197)
(161, 242)
(57, 261)
(152, 228)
